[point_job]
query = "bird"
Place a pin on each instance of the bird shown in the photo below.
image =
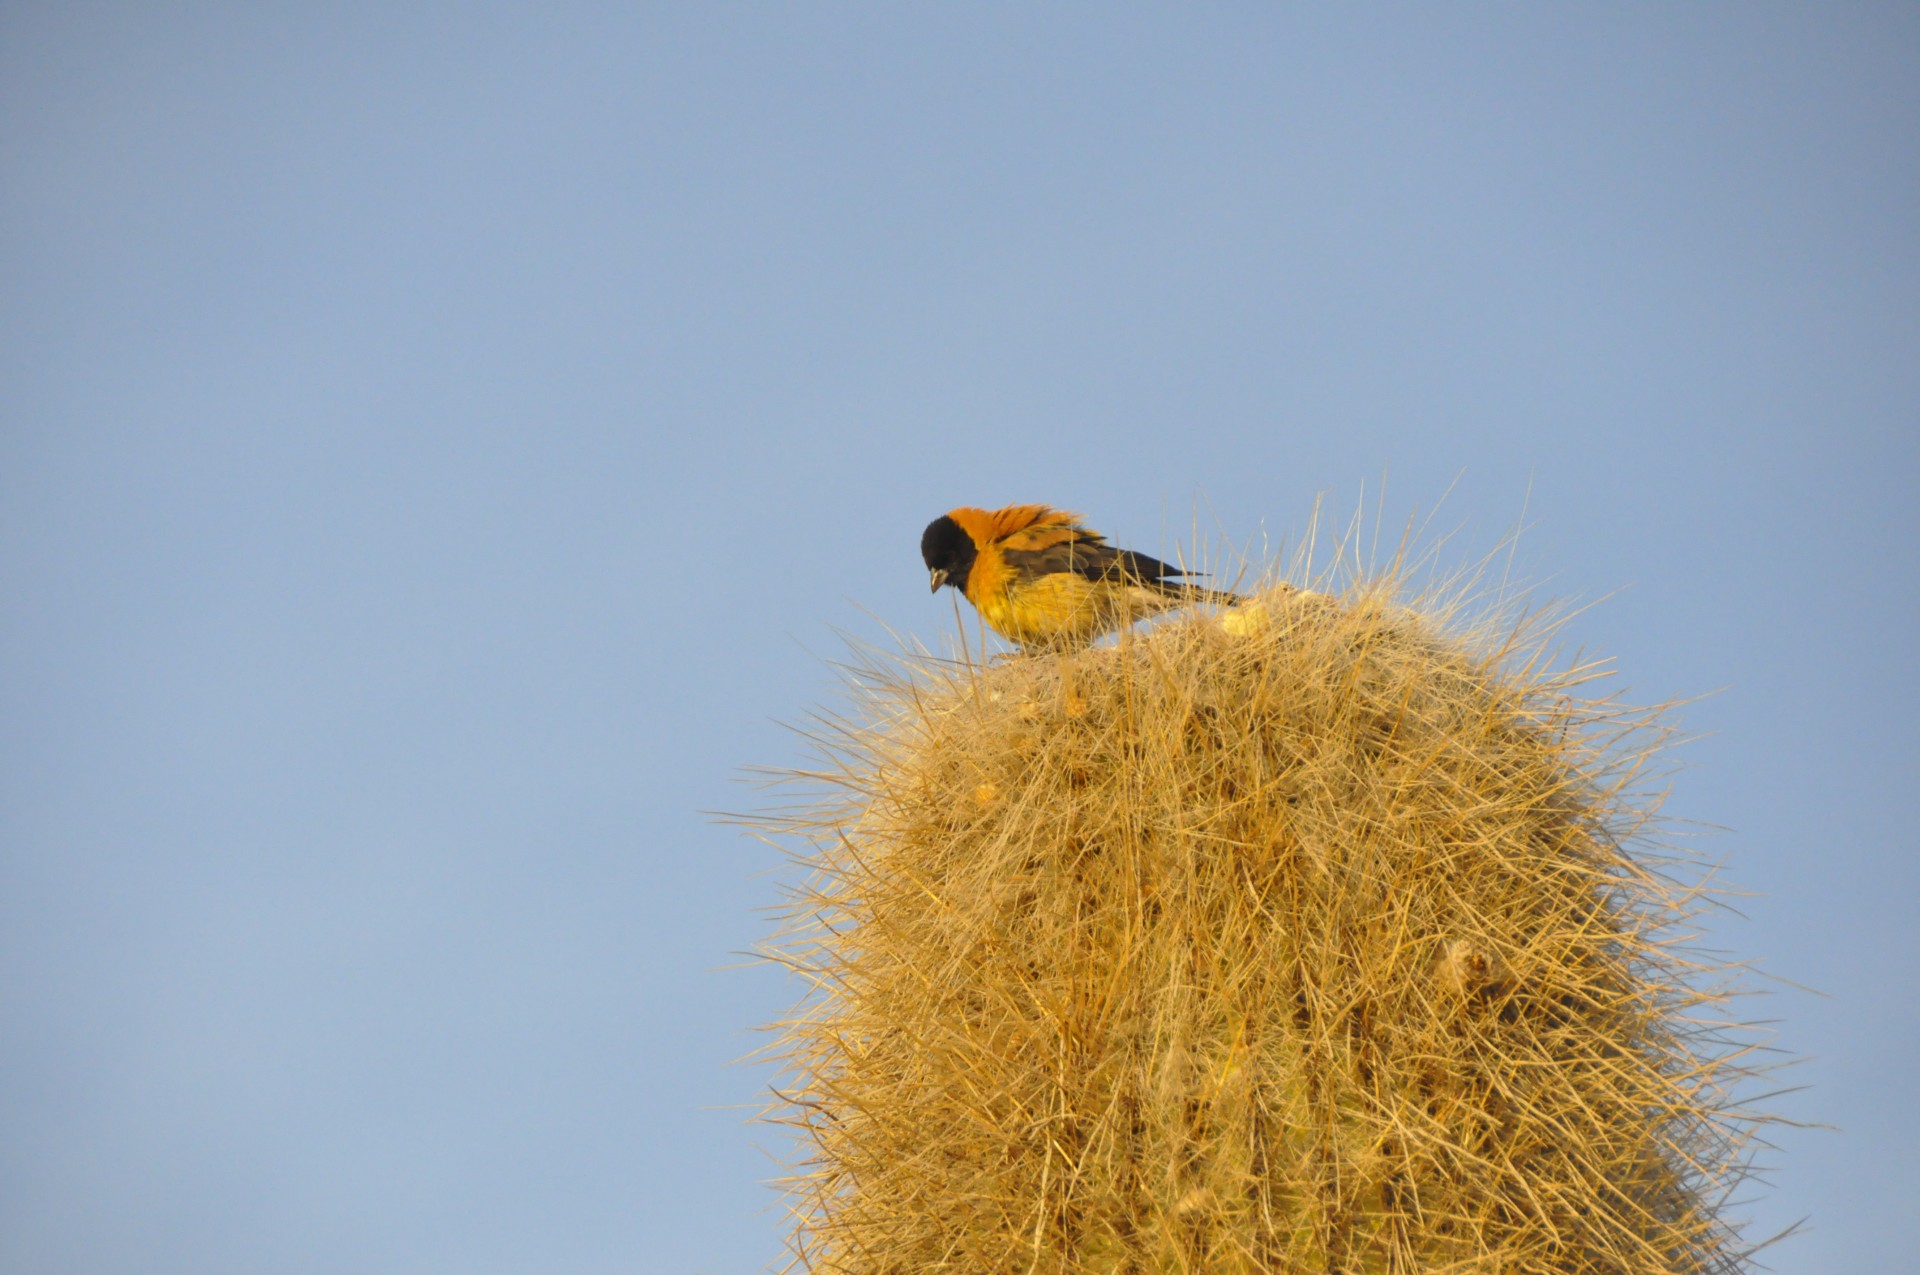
(1043, 580)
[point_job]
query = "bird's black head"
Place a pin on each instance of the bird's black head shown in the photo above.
(948, 551)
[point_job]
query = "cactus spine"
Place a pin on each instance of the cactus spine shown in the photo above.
(1316, 936)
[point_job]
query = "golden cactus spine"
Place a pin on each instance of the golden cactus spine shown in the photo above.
(1315, 936)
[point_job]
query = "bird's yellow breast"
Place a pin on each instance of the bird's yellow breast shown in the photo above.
(1049, 609)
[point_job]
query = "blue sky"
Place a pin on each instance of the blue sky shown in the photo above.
(441, 443)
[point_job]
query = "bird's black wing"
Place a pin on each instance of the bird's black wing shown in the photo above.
(1086, 553)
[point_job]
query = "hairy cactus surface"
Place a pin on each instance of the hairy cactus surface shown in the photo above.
(1324, 935)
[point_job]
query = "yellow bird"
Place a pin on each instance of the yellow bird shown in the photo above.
(1042, 580)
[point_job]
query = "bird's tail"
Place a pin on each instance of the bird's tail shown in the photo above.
(1182, 591)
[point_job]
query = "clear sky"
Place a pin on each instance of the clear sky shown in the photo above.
(440, 442)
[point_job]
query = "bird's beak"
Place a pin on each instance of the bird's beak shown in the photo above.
(939, 578)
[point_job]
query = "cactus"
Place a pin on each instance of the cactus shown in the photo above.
(1322, 935)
